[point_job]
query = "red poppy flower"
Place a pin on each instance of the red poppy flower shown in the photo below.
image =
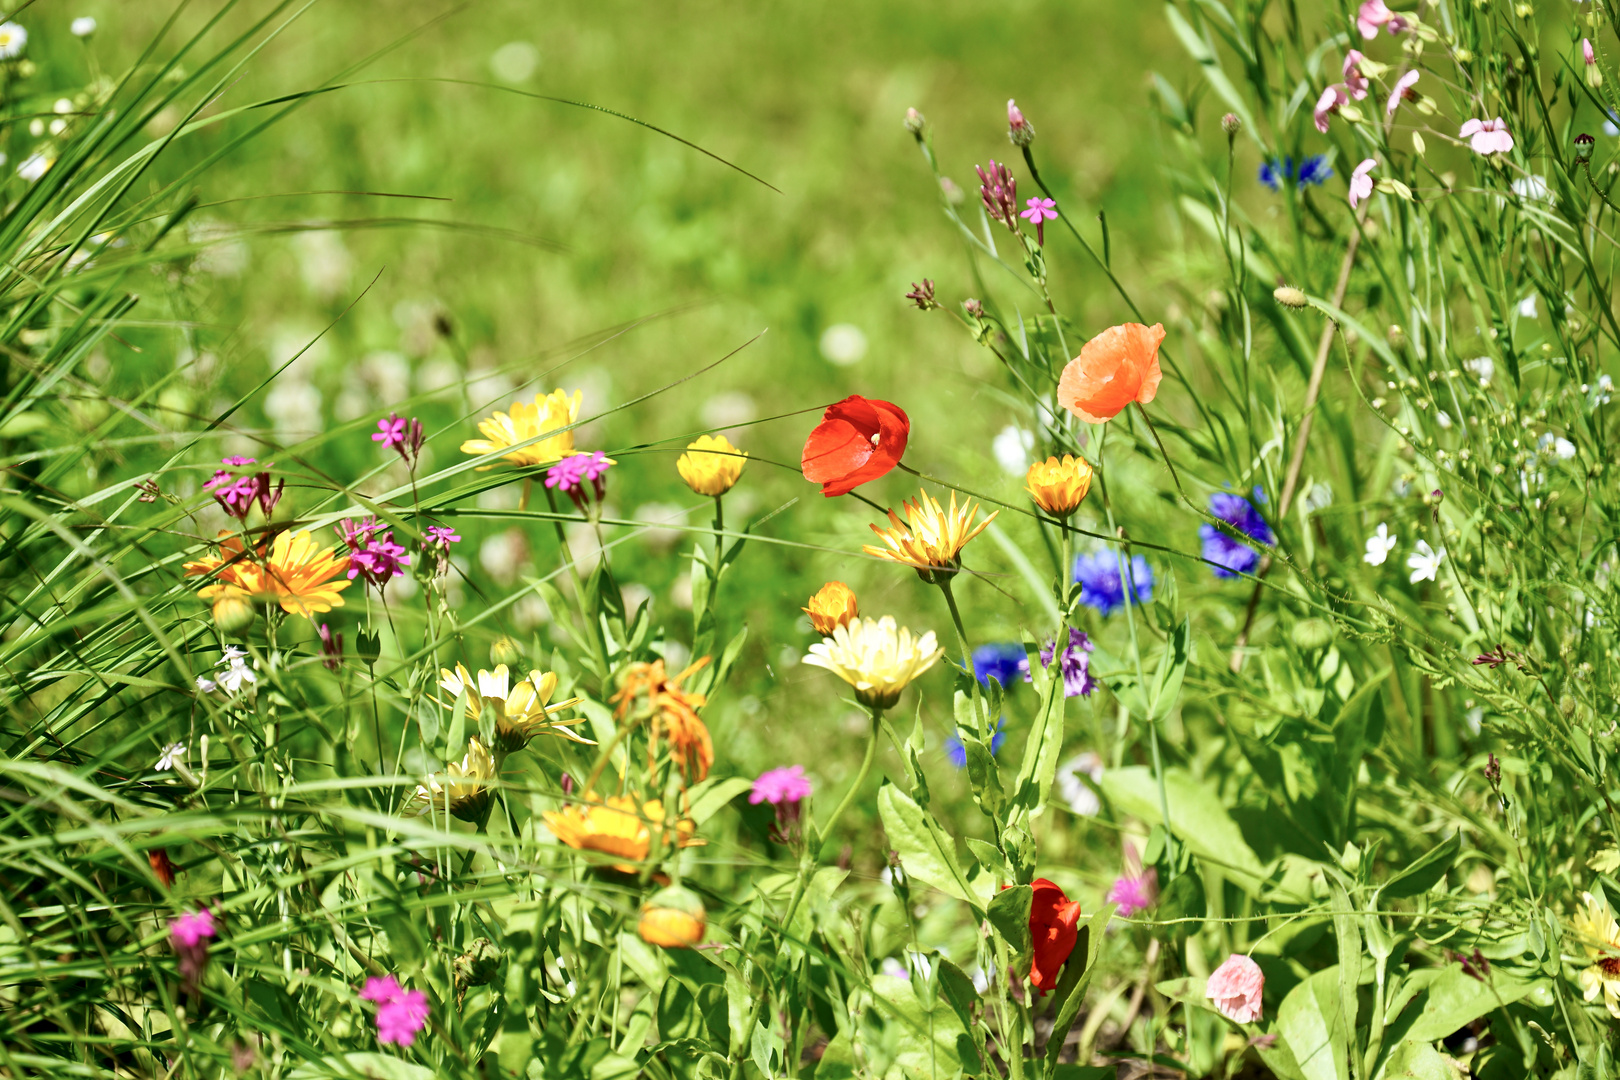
(858, 440)
(1053, 927)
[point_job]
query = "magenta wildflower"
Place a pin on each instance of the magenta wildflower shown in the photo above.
(1075, 664)
(401, 1013)
(571, 474)
(237, 494)
(237, 461)
(1040, 212)
(785, 789)
(190, 934)
(999, 191)
(442, 534)
(436, 545)
(331, 648)
(374, 556)
(1136, 889)
(400, 435)
(1020, 132)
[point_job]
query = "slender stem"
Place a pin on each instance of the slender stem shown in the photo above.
(823, 833)
(979, 710)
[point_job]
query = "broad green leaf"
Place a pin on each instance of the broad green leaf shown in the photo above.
(1310, 1022)
(709, 797)
(1008, 912)
(1420, 1061)
(926, 852)
(362, 1063)
(929, 1038)
(1419, 876)
(1197, 817)
(1071, 988)
(1446, 999)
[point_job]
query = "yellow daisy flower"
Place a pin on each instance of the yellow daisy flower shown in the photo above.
(833, 606)
(932, 538)
(548, 413)
(1600, 936)
(465, 789)
(711, 465)
(618, 827)
(1059, 486)
(876, 657)
(521, 711)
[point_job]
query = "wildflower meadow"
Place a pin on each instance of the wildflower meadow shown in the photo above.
(620, 541)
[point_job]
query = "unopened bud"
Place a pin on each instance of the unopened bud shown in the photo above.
(505, 651)
(478, 965)
(1584, 145)
(974, 309)
(1396, 336)
(915, 123)
(1289, 297)
(1231, 124)
(1019, 131)
(233, 614)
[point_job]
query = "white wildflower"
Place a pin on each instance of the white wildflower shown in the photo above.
(1564, 449)
(173, 755)
(1425, 562)
(34, 166)
(843, 344)
(12, 40)
(1379, 545)
(1482, 366)
(1527, 307)
(1532, 187)
(1080, 796)
(1011, 448)
(83, 26)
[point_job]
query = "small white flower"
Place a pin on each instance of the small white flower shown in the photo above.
(83, 26)
(12, 40)
(1527, 307)
(1532, 187)
(1011, 447)
(206, 685)
(1425, 562)
(235, 673)
(34, 166)
(1080, 796)
(1482, 366)
(1443, 418)
(1564, 448)
(893, 968)
(173, 754)
(1379, 545)
(1605, 387)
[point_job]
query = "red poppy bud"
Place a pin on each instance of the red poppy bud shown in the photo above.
(857, 441)
(1053, 927)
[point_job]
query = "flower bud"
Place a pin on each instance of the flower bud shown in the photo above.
(368, 646)
(233, 614)
(505, 651)
(974, 308)
(1584, 145)
(672, 918)
(478, 965)
(1396, 336)
(916, 123)
(1289, 297)
(711, 465)
(1231, 124)
(833, 606)
(1019, 131)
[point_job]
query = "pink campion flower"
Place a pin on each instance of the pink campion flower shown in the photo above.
(1361, 184)
(777, 786)
(443, 535)
(331, 648)
(571, 473)
(401, 1013)
(1040, 212)
(1373, 14)
(999, 191)
(237, 461)
(1020, 132)
(1136, 889)
(1402, 92)
(1587, 52)
(1331, 101)
(1487, 136)
(380, 561)
(1354, 81)
(189, 931)
(402, 436)
(1236, 987)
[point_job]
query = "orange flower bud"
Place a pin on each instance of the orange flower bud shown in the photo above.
(832, 606)
(233, 613)
(1059, 487)
(672, 918)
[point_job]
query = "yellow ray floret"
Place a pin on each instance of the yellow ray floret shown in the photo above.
(463, 791)
(522, 711)
(711, 465)
(619, 827)
(550, 412)
(876, 657)
(296, 574)
(932, 537)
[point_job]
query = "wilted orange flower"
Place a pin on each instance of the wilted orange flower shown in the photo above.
(832, 606)
(673, 712)
(932, 537)
(618, 827)
(1059, 487)
(296, 574)
(1118, 366)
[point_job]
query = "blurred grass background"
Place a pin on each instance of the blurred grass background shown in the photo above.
(602, 223)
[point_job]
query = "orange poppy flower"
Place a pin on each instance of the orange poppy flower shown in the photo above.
(1118, 366)
(857, 441)
(1054, 929)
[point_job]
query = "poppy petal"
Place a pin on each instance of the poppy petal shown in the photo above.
(835, 449)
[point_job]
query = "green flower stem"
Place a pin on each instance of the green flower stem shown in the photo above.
(979, 710)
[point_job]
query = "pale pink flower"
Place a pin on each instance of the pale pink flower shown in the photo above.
(1487, 136)
(1329, 103)
(1236, 987)
(1375, 13)
(1361, 184)
(1354, 80)
(1403, 91)
(1587, 52)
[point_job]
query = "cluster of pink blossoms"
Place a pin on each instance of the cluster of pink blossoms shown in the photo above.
(401, 1013)
(373, 553)
(572, 473)
(237, 495)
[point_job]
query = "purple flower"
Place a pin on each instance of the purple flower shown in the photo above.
(1040, 212)
(571, 473)
(237, 461)
(400, 435)
(237, 494)
(1135, 890)
(999, 191)
(1075, 664)
(401, 1013)
(1004, 661)
(442, 534)
(1230, 556)
(778, 786)
(374, 555)
(956, 753)
(1100, 587)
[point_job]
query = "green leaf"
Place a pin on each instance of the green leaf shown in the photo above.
(1172, 671)
(928, 1038)
(926, 852)
(990, 857)
(362, 1063)
(1071, 988)
(1311, 1023)
(1197, 817)
(711, 796)
(1447, 999)
(1420, 876)
(1347, 931)
(1008, 912)
(1420, 1061)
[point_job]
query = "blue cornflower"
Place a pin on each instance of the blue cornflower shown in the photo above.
(1314, 170)
(1274, 174)
(957, 753)
(1230, 556)
(1004, 661)
(1311, 171)
(1098, 577)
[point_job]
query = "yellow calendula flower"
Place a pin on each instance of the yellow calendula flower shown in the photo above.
(832, 606)
(619, 827)
(463, 791)
(521, 711)
(648, 689)
(932, 538)
(549, 412)
(1059, 486)
(1600, 936)
(295, 573)
(711, 465)
(672, 918)
(876, 657)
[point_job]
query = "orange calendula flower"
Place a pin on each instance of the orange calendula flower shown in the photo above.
(673, 918)
(1059, 487)
(932, 537)
(522, 711)
(619, 827)
(1118, 366)
(673, 713)
(550, 412)
(832, 606)
(711, 465)
(297, 574)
